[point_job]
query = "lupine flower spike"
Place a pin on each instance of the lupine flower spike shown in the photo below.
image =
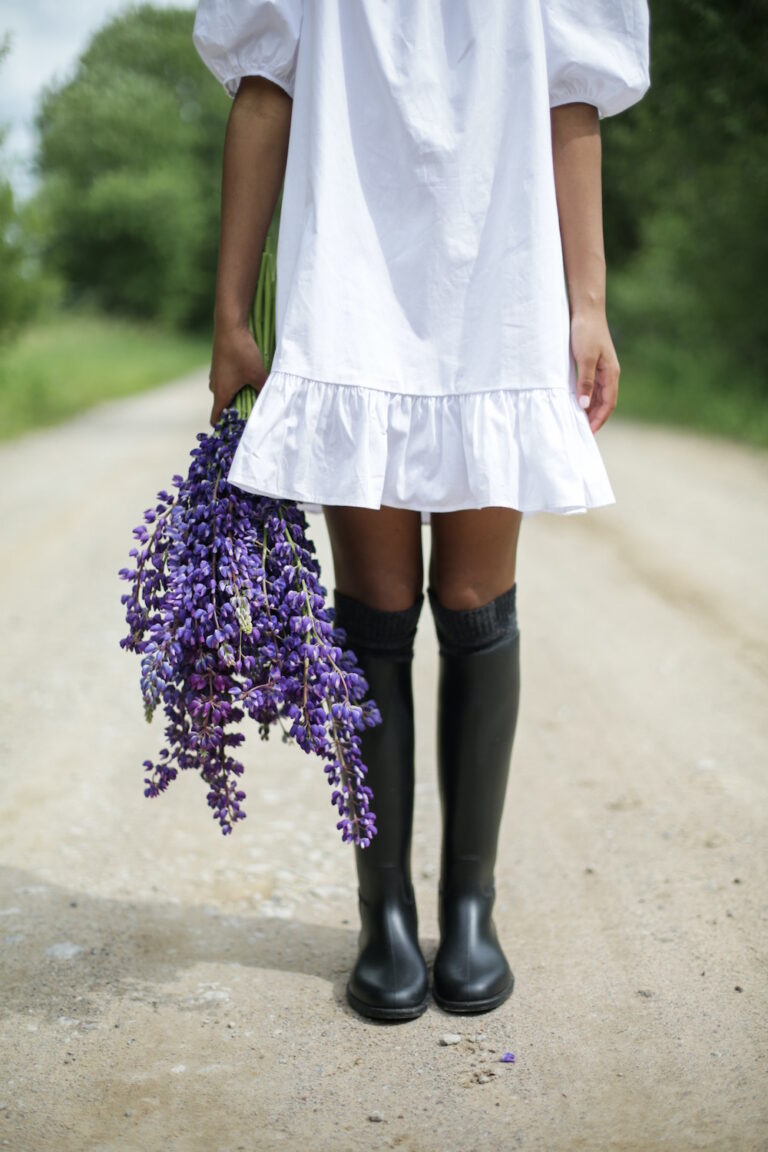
(228, 614)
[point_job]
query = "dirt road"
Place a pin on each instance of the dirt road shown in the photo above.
(163, 987)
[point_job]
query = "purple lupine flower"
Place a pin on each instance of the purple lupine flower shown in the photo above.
(228, 614)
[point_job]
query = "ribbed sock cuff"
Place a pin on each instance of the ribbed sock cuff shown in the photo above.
(375, 630)
(472, 629)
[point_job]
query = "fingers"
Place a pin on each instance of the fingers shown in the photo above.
(221, 400)
(218, 407)
(597, 365)
(604, 393)
(585, 385)
(219, 404)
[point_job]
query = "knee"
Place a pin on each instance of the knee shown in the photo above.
(464, 594)
(387, 591)
(480, 625)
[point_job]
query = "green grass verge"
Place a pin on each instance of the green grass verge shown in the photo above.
(71, 361)
(676, 370)
(678, 388)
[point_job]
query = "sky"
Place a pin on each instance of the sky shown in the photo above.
(46, 36)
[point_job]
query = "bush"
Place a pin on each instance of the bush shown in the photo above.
(130, 160)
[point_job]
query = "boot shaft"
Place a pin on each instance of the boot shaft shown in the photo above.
(478, 703)
(383, 644)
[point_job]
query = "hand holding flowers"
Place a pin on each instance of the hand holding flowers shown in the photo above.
(228, 614)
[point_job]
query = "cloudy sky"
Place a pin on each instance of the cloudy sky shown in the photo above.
(46, 38)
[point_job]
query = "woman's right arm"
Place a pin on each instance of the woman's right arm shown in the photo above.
(255, 154)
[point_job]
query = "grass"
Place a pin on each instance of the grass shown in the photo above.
(677, 388)
(674, 369)
(73, 360)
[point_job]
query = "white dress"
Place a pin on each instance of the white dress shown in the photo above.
(422, 325)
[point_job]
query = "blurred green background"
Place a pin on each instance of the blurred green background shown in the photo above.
(107, 271)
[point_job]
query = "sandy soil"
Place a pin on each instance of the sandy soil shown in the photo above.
(163, 987)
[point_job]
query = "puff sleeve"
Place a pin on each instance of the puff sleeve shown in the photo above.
(236, 38)
(597, 53)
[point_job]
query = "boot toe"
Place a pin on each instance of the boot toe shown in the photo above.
(390, 978)
(386, 987)
(471, 972)
(479, 987)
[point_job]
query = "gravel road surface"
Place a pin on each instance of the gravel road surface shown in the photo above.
(164, 987)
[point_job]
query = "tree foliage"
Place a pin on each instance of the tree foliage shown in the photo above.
(130, 160)
(17, 293)
(686, 184)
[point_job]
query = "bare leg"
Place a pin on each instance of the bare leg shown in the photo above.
(377, 554)
(474, 553)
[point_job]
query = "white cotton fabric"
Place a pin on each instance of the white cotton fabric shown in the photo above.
(423, 334)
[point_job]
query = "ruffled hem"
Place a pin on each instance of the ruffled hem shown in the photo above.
(319, 443)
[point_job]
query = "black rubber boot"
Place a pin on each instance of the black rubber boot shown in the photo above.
(478, 698)
(390, 978)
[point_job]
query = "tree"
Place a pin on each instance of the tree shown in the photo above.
(17, 295)
(686, 183)
(130, 163)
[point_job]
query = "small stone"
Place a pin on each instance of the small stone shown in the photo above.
(483, 1078)
(375, 1117)
(64, 951)
(644, 992)
(450, 1038)
(128, 1112)
(738, 988)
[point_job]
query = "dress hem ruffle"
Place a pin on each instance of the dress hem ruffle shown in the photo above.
(319, 443)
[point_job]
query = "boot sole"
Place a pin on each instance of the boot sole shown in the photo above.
(470, 1007)
(379, 1012)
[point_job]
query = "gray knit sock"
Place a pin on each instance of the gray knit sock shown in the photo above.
(475, 629)
(375, 630)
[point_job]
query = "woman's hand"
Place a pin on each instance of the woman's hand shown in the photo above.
(235, 362)
(598, 366)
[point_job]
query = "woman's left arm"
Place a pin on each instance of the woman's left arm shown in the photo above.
(577, 158)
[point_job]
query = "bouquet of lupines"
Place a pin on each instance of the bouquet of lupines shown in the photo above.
(228, 614)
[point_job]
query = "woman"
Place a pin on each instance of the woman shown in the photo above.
(443, 356)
